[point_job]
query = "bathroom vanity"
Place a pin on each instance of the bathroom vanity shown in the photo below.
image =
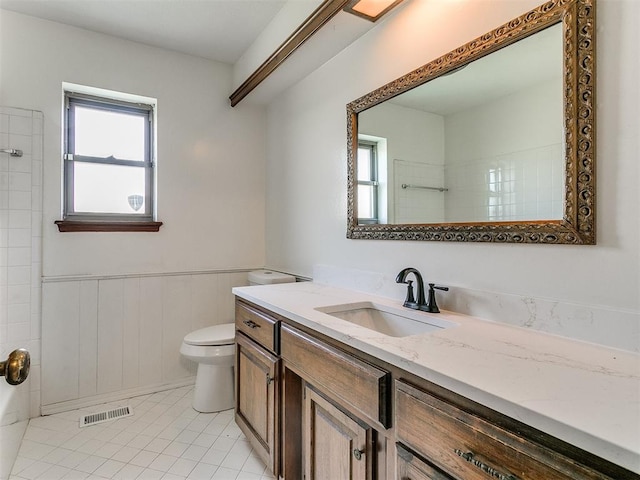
(323, 393)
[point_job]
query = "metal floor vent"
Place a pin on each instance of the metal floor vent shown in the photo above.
(105, 416)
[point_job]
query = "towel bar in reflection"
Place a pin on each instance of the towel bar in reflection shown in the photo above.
(11, 151)
(439, 189)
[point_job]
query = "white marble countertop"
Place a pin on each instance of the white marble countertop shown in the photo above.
(582, 393)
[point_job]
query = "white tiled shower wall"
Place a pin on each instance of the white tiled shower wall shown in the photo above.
(519, 185)
(20, 268)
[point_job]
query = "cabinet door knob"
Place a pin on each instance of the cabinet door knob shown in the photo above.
(357, 453)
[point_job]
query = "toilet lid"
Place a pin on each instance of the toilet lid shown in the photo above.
(216, 335)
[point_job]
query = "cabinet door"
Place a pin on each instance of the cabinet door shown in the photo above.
(411, 467)
(256, 397)
(336, 447)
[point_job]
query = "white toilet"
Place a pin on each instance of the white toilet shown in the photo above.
(213, 349)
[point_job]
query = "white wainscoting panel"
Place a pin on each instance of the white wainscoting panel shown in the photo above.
(176, 323)
(131, 333)
(150, 322)
(110, 335)
(107, 337)
(60, 351)
(88, 338)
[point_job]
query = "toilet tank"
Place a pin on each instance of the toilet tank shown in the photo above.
(267, 277)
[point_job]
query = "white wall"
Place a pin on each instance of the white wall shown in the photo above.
(211, 167)
(415, 155)
(595, 288)
(210, 156)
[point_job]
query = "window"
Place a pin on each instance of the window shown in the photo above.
(108, 165)
(367, 182)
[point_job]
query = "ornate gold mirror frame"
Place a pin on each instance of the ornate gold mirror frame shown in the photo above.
(578, 223)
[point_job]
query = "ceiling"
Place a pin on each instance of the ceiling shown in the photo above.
(219, 30)
(519, 66)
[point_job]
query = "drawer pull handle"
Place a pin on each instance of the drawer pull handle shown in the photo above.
(469, 457)
(358, 454)
(251, 324)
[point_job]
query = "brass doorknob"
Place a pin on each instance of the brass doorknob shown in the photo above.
(16, 368)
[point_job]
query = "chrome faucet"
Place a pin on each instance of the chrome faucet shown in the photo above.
(420, 304)
(410, 302)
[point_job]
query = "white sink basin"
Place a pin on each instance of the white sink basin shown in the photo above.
(391, 321)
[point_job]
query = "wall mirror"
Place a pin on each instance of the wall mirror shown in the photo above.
(492, 142)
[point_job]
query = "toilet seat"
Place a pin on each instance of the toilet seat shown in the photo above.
(216, 335)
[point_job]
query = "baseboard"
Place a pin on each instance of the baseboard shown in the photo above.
(114, 396)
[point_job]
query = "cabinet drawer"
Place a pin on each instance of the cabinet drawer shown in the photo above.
(361, 386)
(259, 326)
(470, 448)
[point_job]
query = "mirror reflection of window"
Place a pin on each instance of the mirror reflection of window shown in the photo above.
(500, 198)
(367, 182)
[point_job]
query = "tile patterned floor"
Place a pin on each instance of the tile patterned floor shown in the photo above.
(165, 439)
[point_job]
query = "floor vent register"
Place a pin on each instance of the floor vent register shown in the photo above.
(106, 416)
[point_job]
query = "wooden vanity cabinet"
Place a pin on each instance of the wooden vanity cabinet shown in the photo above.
(316, 409)
(257, 377)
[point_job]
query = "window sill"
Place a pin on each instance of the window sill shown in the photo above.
(98, 226)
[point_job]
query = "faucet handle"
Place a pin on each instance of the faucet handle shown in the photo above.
(410, 301)
(431, 305)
